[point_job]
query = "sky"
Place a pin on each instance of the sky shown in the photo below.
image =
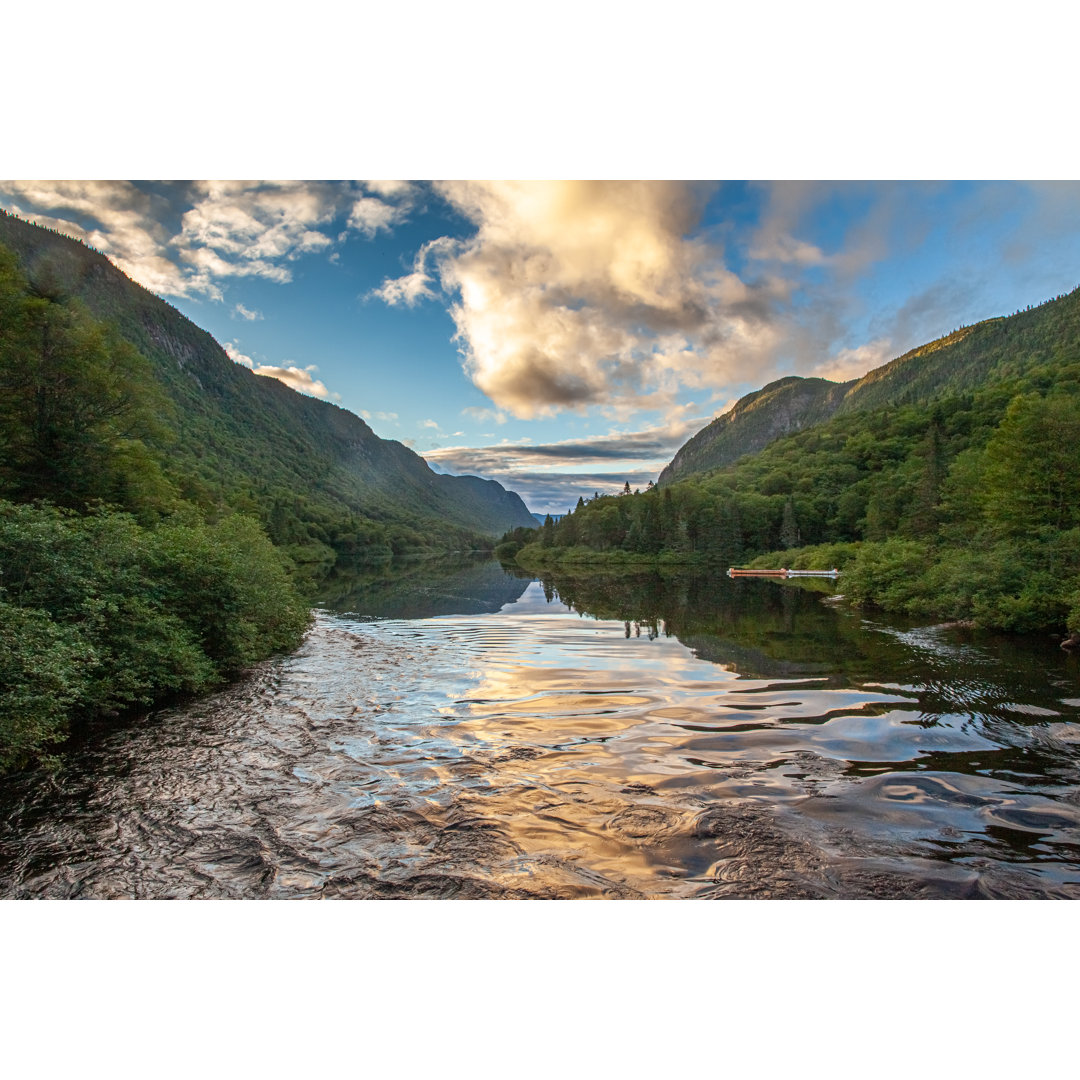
(564, 337)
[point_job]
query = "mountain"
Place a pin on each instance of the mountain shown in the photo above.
(781, 408)
(968, 359)
(943, 485)
(313, 471)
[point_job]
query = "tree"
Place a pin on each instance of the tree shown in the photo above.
(789, 527)
(1031, 482)
(75, 400)
(925, 517)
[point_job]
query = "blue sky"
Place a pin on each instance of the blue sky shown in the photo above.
(566, 336)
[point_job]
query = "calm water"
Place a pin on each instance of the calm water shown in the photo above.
(461, 732)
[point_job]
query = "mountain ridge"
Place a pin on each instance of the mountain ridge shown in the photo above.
(250, 438)
(966, 359)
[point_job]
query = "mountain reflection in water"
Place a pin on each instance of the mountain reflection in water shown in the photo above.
(469, 733)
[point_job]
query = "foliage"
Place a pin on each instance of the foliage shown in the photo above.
(77, 404)
(100, 614)
(159, 504)
(242, 442)
(963, 505)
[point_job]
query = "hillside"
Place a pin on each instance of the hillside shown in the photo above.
(312, 471)
(781, 408)
(943, 485)
(967, 360)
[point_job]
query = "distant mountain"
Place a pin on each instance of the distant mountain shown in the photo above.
(554, 517)
(249, 441)
(961, 362)
(781, 408)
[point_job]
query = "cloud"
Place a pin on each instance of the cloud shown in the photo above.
(787, 202)
(369, 215)
(386, 417)
(236, 356)
(547, 474)
(299, 379)
(558, 493)
(237, 228)
(855, 363)
(428, 424)
(114, 216)
(392, 189)
(649, 445)
(188, 238)
(413, 287)
(574, 294)
(481, 415)
(245, 313)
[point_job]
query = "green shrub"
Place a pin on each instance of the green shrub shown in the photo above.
(43, 674)
(99, 613)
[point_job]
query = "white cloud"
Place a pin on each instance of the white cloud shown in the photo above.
(480, 415)
(413, 287)
(248, 228)
(369, 215)
(787, 203)
(428, 424)
(649, 449)
(854, 363)
(391, 189)
(233, 352)
(227, 228)
(123, 223)
(247, 314)
(300, 379)
(573, 294)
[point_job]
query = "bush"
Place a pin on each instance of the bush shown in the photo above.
(887, 573)
(43, 673)
(99, 613)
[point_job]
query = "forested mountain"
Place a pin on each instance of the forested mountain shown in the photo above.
(314, 473)
(162, 508)
(782, 407)
(961, 362)
(944, 484)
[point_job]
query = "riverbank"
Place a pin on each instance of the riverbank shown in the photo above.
(1028, 586)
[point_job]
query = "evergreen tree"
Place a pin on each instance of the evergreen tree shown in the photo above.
(789, 527)
(74, 399)
(1031, 478)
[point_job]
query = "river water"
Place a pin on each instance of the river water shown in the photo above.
(458, 731)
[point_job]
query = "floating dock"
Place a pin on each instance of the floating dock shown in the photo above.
(782, 573)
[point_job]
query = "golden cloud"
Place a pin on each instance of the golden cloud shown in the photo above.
(575, 293)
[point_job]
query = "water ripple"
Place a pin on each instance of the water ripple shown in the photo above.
(533, 753)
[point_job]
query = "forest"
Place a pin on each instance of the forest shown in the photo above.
(116, 591)
(959, 502)
(165, 513)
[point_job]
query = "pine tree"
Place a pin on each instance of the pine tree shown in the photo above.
(789, 527)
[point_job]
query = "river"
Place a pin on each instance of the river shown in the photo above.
(460, 731)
